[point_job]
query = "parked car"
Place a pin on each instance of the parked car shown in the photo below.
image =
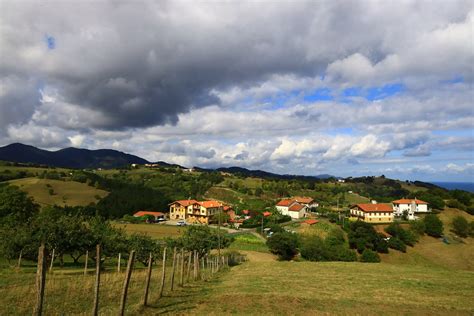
(181, 223)
(159, 220)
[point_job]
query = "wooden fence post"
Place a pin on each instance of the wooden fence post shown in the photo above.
(173, 269)
(119, 261)
(196, 265)
(40, 280)
(19, 258)
(163, 274)
(202, 268)
(147, 281)
(181, 276)
(52, 261)
(95, 309)
(128, 274)
(85, 262)
(188, 274)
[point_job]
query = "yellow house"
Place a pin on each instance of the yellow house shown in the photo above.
(178, 209)
(372, 212)
(194, 211)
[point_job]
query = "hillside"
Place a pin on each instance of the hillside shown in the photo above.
(63, 193)
(68, 157)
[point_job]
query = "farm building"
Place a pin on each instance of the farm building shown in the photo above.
(410, 206)
(372, 212)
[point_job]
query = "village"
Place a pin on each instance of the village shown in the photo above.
(185, 212)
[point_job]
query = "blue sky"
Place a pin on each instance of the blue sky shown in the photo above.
(257, 85)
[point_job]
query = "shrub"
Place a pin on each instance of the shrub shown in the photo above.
(284, 245)
(418, 227)
(369, 256)
(314, 249)
(460, 226)
(363, 235)
(335, 237)
(406, 236)
(397, 244)
(434, 226)
(341, 253)
(471, 229)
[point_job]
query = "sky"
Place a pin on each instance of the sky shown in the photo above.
(348, 88)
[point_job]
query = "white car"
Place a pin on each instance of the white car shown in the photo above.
(181, 223)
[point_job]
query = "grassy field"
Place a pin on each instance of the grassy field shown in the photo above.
(320, 229)
(238, 199)
(63, 192)
(152, 230)
(248, 242)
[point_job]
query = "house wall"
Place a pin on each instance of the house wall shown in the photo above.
(177, 212)
(372, 217)
(283, 210)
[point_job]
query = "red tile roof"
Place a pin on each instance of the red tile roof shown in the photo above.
(370, 207)
(303, 199)
(185, 202)
(246, 212)
(285, 202)
(311, 221)
(208, 204)
(409, 201)
(267, 213)
(143, 213)
(296, 207)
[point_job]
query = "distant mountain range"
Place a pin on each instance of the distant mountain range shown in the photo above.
(108, 158)
(68, 157)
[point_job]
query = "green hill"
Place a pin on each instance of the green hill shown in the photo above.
(57, 192)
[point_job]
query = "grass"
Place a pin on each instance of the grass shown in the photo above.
(320, 229)
(152, 230)
(69, 193)
(248, 242)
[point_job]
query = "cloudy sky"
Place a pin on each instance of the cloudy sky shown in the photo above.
(347, 88)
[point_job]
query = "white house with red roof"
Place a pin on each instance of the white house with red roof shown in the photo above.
(292, 208)
(372, 212)
(307, 201)
(410, 206)
(156, 215)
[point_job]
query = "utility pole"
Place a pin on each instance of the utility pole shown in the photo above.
(219, 233)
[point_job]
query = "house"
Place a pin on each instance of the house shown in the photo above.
(307, 201)
(372, 212)
(194, 211)
(229, 211)
(284, 205)
(410, 207)
(178, 208)
(156, 215)
(292, 208)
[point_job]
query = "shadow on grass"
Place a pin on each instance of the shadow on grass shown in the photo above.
(183, 299)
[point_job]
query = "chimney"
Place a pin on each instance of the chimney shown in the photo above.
(374, 202)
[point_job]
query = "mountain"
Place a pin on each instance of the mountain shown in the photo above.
(264, 174)
(68, 157)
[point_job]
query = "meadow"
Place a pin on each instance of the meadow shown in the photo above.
(56, 192)
(152, 230)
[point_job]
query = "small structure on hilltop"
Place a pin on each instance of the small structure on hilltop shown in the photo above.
(409, 207)
(372, 212)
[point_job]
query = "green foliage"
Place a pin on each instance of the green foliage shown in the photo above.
(397, 243)
(143, 246)
(460, 226)
(15, 203)
(471, 229)
(284, 245)
(433, 196)
(406, 236)
(203, 239)
(314, 248)
(418, 227)
(434, 226)
(369, 256)
(363, 236)
(335, 237)
(463, 197)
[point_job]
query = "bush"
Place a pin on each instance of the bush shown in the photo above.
(340, 253)
(314, 249)
(471, 229)
(397, 244)
(284, 245)
(406, 236)
(418, 227)
(335, 237)
(363, 235)
(369, 256)
(434, 226)
(460, 226)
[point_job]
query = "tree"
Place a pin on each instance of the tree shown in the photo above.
(15, 203)
(418, 227)
(258, 191)
(369, 256)
(397, 243)
(460, 226)
(434, 226)
(203, 239)
(143, 246)
(314, 249)
(283, 244)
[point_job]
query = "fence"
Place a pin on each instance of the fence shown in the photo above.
(108, 292)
